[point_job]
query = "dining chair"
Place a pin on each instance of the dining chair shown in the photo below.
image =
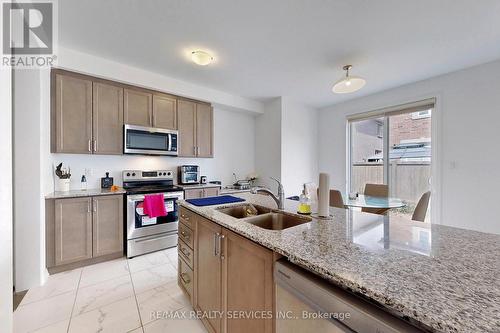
(376, 190)
(421, 208)
(336, 199)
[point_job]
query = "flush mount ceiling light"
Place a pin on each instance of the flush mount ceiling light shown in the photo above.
(201, 58)
(348, 84)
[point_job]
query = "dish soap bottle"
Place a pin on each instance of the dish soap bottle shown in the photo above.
(83, 183)
(304, 202)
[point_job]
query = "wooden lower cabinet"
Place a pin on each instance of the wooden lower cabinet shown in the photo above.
(196, 193)
(107, 225)
(211, 192)
(208, 272)
(73, 230)
(82, 231)
(231, 273)
(247, 284)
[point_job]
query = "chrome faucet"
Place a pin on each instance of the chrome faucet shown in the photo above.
(280, 199)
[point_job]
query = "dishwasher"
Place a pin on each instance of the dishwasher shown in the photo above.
(306, 303)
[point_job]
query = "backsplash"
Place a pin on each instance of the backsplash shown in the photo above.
(95, 167)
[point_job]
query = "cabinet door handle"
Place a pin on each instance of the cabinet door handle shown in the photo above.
(185, 217)
(94, 205)
(185, 235)
(88, 207)
(216, 243)
(185, 278)
(221, 238)
(194, 150)
(90, 145)
(94, 145)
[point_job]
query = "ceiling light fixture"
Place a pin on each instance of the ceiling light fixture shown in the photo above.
(348, 84)
(201, 58)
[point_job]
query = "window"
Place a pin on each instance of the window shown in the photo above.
(395, 148)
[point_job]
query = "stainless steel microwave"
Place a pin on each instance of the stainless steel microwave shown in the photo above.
(150, 141)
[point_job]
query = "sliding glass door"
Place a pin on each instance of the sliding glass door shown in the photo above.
(393, 148)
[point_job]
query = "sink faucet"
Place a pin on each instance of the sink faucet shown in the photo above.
(280, 199)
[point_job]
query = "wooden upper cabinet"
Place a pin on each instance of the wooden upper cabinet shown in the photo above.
(88, 114)
(186, 124)
(207, 271)
(138, 108)
(73, 230)
(164, 111)
(204, 130)
(247, 283)
(71, 130)
(195, 125)
(107, 222)
(107, 119)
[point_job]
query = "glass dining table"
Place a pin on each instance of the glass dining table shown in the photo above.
(379, 205)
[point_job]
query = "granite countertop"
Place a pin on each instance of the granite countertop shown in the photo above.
(439, 278)
(79, 193)
(195, 186)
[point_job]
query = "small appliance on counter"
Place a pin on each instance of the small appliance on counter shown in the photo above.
(203, 179)
(241, 184)
(189, 174)
(106, 182)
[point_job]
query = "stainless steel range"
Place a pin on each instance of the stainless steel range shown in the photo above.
(146, 234)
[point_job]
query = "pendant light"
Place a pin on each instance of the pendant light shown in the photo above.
(348, 84)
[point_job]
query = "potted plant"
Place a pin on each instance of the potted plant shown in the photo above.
(63, 178)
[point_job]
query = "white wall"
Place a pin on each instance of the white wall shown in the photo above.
(268, 144)
(299, 160)
(6, 262)
(465, 147)
(234, 141)
(286, 145)
(106, 68)
(27, 181)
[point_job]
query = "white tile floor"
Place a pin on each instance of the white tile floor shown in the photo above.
(115, 296)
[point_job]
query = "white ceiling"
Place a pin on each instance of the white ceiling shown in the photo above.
(295, 48)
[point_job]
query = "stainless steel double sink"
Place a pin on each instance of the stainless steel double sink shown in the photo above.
(264, 217)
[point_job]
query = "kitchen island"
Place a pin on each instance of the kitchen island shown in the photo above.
(438, 278)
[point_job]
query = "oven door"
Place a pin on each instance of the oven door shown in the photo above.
(139, 224)
(190, 178)
(149, 141)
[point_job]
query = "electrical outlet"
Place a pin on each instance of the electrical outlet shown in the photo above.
(89, 172)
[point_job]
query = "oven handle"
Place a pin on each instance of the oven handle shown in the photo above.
(170, 195)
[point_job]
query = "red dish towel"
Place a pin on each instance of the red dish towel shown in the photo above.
(154, 205)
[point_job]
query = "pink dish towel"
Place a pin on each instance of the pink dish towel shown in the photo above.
(154, 205)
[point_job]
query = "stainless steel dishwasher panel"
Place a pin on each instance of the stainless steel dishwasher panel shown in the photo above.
(307, 296)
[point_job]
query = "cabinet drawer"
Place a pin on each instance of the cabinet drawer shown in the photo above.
(185, 277)
(186, 253)
(186, 235)
(187, 217)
